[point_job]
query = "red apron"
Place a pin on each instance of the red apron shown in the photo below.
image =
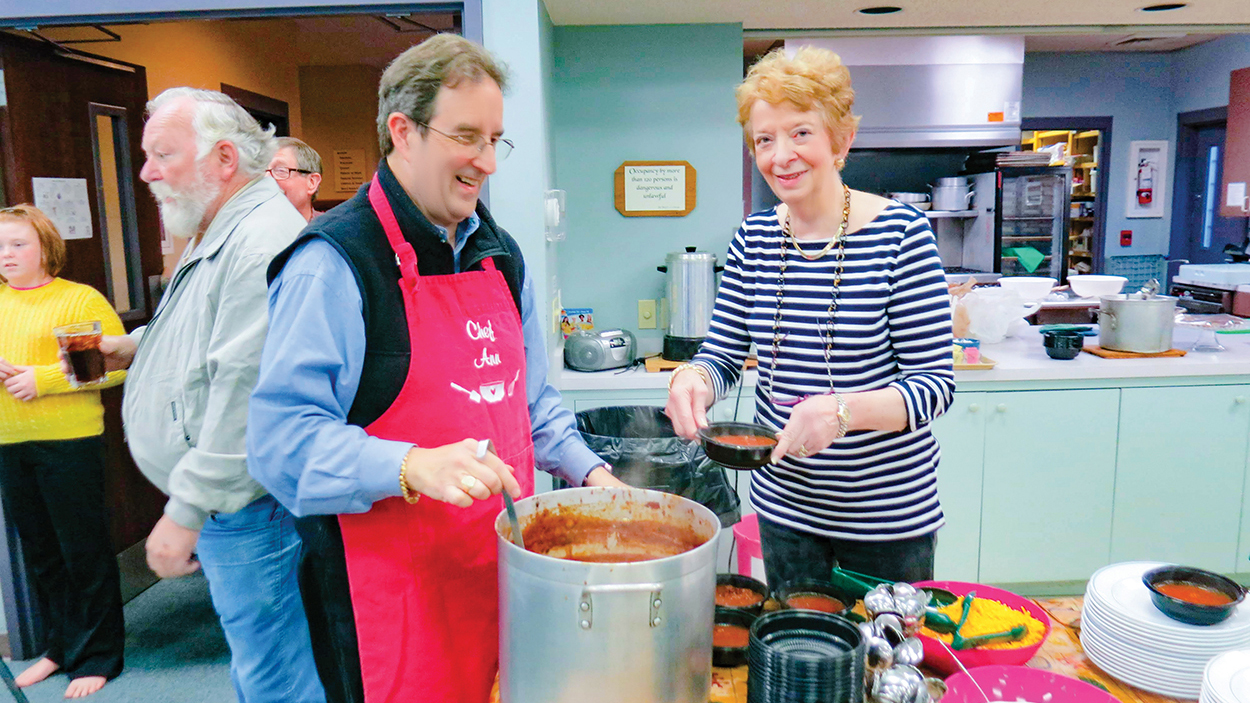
(424, 580)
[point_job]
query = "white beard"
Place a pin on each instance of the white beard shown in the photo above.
(184, 212)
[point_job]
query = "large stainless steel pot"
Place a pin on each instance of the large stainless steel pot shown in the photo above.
(572, 632)
(691, 295)
(1136, 324)
(951, 194)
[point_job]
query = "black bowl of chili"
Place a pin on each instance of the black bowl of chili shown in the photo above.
(740, 592)
(814, 594)
(738, 445)
(1193, 596)
(731, 637)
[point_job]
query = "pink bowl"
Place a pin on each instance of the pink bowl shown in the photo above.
(938, 657)
(1011, 683)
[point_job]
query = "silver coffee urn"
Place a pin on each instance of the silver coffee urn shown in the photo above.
(691, 295)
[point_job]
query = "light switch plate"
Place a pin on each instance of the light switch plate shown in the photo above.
(646, 314)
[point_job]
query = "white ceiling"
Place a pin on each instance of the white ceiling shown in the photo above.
(1055, 25)
(840, 14)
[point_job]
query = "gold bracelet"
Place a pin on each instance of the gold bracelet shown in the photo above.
(409, 495)
(682, 367)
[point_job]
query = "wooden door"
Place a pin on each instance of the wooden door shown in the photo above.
(82, 118)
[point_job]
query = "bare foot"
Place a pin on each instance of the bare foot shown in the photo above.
(37, 672)
(85, 686)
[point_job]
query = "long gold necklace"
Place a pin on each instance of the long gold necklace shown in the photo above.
(827, 332)
(846, 217)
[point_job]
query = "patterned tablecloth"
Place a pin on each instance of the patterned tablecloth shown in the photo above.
(1061, 653)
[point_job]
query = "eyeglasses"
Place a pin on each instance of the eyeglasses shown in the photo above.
(281, 173)
(477, 142)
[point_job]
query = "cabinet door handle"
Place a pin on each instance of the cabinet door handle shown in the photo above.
(1240, 400)
(974, 408)
(1002, 407)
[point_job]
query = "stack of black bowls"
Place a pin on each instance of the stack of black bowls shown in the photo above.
(804, 656)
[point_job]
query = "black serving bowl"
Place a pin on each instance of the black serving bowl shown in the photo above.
(733, 456)
(1063, 344)
(813, 587)
(744, 582)
(732, 656)
(1185, 611)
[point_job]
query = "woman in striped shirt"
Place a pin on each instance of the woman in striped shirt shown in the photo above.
(844, 296)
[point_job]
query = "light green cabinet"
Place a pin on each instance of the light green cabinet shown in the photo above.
(961, 435)
(1180, 468)
(1048, 484)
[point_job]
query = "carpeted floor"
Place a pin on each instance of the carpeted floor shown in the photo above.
(175, 652)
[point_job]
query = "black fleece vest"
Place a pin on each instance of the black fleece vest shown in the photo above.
(356, 232)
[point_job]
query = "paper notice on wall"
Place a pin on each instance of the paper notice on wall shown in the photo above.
(655, 188)
(64, 201)
(1236, 195)
(350, 170)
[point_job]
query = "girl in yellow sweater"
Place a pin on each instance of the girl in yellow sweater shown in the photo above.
(52, 455)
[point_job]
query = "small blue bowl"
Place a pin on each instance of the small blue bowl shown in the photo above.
(1187, 612)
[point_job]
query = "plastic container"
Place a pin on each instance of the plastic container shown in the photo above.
(938, 657)
(750, 553)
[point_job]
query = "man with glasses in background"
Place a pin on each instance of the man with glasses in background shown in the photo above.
(403, 388)
(297, 169)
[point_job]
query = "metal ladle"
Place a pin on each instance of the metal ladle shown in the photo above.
(484, 447)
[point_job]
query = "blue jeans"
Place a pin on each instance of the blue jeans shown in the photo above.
(251, 559)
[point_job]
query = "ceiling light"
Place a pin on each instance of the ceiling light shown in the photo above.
(1164, 7)
(879, 10)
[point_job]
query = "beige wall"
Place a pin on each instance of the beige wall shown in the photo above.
(340, 115)
(246, 54)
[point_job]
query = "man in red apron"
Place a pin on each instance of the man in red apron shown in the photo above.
(403, 334)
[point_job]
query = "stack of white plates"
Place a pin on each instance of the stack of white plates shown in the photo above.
(1126, 635)
(1227, 678)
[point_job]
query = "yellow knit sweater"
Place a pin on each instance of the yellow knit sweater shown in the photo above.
(26, 321)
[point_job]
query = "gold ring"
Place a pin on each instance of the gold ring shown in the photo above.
(803, 450)
(467, 482)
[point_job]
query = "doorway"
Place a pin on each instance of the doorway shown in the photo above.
(1199, 234)
(84, 137)
(1086, 144)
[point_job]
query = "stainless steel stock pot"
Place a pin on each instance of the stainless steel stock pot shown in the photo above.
(574, 631)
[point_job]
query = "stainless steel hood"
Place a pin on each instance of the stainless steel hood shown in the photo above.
(947, 91)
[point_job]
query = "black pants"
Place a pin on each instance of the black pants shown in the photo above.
(790, 554)
(53, 493)
(327, 598)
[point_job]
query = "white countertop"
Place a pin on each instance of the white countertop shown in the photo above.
(1020, 358)
(1023, 358)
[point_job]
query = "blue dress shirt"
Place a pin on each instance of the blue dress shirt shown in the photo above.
(299, 444)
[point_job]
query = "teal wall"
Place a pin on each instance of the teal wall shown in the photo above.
(1135, 90)
(1201, 72)
(634, 93)
(1143, 93)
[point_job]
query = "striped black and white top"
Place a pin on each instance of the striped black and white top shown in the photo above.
(892, 328)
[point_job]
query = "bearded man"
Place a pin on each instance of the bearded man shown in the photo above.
(191, 370)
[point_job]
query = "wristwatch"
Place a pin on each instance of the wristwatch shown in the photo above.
(844, 416)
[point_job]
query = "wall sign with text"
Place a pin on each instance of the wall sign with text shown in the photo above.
(655, 188)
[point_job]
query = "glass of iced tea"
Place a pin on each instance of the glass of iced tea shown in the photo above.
(81, 344)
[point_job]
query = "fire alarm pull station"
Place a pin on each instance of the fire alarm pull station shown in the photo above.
(1126, 237)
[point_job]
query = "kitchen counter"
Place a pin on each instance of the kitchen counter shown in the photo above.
(1021, 360)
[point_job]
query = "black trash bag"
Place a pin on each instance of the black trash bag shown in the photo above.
(645, 452)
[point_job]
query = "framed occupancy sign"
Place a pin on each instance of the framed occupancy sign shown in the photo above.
(655, 188)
